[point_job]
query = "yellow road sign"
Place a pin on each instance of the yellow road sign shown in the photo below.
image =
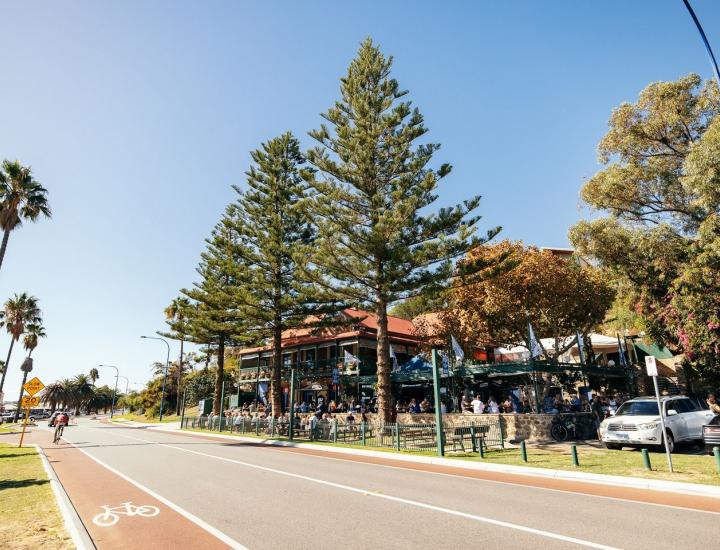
(28, 401)
(34, 386)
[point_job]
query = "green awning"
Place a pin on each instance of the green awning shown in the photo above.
(660, 352)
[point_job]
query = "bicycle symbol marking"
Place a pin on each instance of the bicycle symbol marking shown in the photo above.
(111, 515)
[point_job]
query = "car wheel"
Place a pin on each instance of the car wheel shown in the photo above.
(670, 442)
(613, 446)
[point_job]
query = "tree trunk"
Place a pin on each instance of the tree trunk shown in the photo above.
(275, 386)
(383, 395)
(219, 376)
(7, 363)
(179, 379)
(22, 390)
(3, 247)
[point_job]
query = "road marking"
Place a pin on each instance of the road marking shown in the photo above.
(111, 514)
(196, 520)
(478, 479)
(415, 503)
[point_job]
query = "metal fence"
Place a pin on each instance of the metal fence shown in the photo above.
(421, 437)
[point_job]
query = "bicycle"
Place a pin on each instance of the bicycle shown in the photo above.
(561, 429)
(111, 515)
(58, 433)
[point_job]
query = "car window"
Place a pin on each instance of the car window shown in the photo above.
(638, 408)
(672, 406)
(685, 406)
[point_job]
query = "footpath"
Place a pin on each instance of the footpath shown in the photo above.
(91, 487)
(667, 493)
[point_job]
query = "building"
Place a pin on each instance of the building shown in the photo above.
(318, 356)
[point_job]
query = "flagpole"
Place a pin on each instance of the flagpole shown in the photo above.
(532, 364)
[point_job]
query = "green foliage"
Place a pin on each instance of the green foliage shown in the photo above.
(379, 240)
(659, 191)
(411, 307)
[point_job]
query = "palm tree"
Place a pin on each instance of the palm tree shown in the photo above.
(35, 331)
(82, 392)
(21, 198)
(176, 317)
(19, 312)
(55, 394)
(94, 375)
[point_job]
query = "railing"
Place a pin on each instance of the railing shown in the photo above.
(421, 437)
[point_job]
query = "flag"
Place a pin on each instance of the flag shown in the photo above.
(459, 354)
(580, 345)
(621, 352)
(393, 357)
(350, 358)
(445, 364)
(534, 346)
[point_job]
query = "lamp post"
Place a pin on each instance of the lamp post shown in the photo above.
(713, 63)
(117, 375)
(167, 365)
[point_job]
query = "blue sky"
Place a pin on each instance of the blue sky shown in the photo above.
(138, 117)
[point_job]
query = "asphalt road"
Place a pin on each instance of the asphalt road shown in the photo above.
(264, 497)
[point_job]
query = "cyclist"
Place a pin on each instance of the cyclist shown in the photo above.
(60, 423)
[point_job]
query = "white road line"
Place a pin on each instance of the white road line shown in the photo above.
(417, 504)
(196, 520)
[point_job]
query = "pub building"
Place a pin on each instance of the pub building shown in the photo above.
(319, 359)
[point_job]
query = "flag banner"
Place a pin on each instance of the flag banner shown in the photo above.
(445, 365)
(394, 360)
(350, 358)
(457, 350)
(581, 346)
(621, 352)
(335, 376)
(534, 346)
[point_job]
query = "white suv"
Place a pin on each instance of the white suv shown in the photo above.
(637, 423)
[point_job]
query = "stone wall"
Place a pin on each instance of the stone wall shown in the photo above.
(515, 427)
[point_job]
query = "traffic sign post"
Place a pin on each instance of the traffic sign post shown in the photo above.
(651, 367)
(28, 401)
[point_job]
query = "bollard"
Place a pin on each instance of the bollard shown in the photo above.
(362, 429)
(472, 438)
(573, 450)
(334, 431)
(272, 425)
(482, 448)
(257, 426)
(523, 450)
(716, 452)
(397, 436)
(646, 459)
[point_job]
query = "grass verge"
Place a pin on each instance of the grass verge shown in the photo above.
(27, 504)
(687, 468)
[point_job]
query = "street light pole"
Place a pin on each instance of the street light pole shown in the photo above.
(117, 375)
(167, 366)
(705, 40)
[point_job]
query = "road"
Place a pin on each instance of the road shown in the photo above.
(257, 497)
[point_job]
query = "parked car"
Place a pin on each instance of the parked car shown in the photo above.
(711, 434)
(51, 421)
(637, 423)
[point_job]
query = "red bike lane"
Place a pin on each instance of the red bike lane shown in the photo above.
(92, 487)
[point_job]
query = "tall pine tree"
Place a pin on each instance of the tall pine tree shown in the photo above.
(377, 241)
(215, 321)
(274, 236)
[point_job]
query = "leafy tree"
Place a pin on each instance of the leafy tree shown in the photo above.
(18, 313)
(215, 319)
(177, 318)
(379, 242)
(559, 296)
(274, 238)
(81, 392)
(658, 191)
(56, 394)
(21, 198)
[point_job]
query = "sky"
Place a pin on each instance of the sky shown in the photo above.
(138, 116)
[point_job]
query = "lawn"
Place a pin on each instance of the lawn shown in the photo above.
(191, 411)
(30, 518)
(687, 468)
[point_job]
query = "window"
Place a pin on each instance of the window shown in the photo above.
(672, 406)
(685, 406)
(638, 408)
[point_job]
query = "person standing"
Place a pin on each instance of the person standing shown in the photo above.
(478, 407)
